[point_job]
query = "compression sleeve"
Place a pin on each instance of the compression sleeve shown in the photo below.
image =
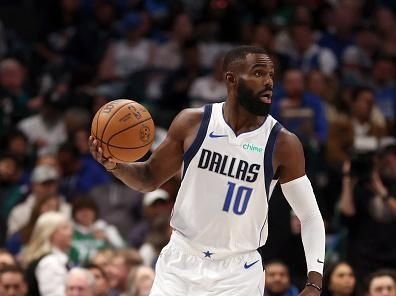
(300, 196)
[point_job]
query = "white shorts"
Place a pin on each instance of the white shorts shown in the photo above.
(185, 271)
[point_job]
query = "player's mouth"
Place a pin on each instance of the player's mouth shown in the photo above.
(266, 97)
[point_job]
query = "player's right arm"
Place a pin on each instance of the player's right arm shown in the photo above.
(165, 161)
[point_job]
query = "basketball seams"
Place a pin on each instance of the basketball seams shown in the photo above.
(120, 147)
(111, 116)
(119, 132)
(97, 121)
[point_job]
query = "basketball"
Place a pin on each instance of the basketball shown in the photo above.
(124, 129)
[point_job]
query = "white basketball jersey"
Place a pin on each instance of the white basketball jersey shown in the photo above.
(227, 181)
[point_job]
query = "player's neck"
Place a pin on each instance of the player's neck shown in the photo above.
(239, 119)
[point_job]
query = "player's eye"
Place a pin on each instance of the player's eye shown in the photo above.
(258, 73)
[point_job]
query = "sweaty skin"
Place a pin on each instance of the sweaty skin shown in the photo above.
(257, 74)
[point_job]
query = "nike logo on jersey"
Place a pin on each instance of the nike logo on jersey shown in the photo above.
(247, 266)
(212, 135)
(317, 260)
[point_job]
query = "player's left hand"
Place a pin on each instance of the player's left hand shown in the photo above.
(309, 291)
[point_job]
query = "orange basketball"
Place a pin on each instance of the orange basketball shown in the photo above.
(124, 129)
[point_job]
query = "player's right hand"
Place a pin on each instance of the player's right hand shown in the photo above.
(97, 153)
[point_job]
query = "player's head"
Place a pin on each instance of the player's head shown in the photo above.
(249, 72)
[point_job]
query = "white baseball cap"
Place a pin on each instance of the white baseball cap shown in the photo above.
(43, 173)
(150, 197)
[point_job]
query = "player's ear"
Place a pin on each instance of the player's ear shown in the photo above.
(230, 77)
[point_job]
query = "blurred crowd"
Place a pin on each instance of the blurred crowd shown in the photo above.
(67, 226)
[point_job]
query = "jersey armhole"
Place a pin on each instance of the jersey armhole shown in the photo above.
(196, 144)
(268, 157)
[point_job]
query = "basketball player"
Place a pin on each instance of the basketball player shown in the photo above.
(232, 154)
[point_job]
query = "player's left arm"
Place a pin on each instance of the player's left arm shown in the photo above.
(289, 162)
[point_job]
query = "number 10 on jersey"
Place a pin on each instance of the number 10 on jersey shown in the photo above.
(240, 199)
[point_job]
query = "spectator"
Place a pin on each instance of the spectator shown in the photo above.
(359, 130)
(122, 263)
(44, 183)
(169, 54)
(15, 100)
(17, 145)
(209, 88)
(141, 280)
(79, 174)
(125, 57)
(382, 283)
(46, 255)
(384, 84)
(80, 282)
(368, 208)
(19, 239)
(118, 205)
(46, 130)
(155, 204)
(277, 280)
(13, 188)
(306, 55)
(102, 287)
(12, 282)
(157, 238)
(339, 280)
(103, 259)
(89, 232)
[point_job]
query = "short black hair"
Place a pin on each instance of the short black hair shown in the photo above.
(238, 55)
(360, 89)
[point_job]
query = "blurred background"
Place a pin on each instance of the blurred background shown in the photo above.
(61, 60)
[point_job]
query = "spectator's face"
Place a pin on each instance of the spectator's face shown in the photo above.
(85, 216)
(18, 146)
(294, 83)
(49, 160)
(12, 284)
(277, 278)
(183, 27)
(118, 272)
(382, 286)
(67, 163)
(62, 237)
(342, 280)
(317, 83)
(12, 76)
(81, 141)
(383, 71)
(44, 189)
(363, 105)
(263, 36)
(8, 170)
(101, 283)
(302, 37)
(78, 285)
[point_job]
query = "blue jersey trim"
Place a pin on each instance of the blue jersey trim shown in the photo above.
(268, 168)
(268, 155)
(193, 149)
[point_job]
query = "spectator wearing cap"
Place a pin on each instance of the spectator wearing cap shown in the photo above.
(46, 130)
(44, 183)
(155, 204)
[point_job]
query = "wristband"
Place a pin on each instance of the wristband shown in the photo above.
(313, 285)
